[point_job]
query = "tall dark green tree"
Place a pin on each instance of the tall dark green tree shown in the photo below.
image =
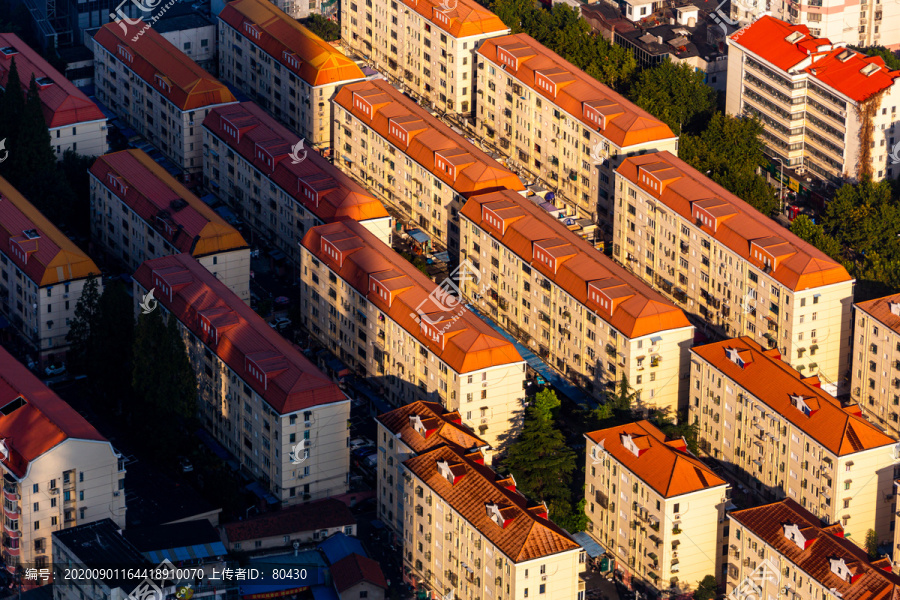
(675, 94)
(164, 382)
(181, 381)
(33, 155)
(83, 324)
(708, 589)
(623, 398)
(12, 106)
(112, 343)
(871, 544)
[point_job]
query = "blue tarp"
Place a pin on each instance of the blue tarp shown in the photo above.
(187, 553)
(209, 199)
(340, 546)
(419, 236)
(592, 548)
(261, 492)
(213, 445)
(338, 367)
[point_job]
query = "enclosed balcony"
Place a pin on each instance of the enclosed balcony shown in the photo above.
(10, 489)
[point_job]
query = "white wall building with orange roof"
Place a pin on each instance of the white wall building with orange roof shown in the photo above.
(741, 272)
(394, 146)
(875, 363)
(469, 533)
(285, 67)
(249, 165)
(140, 212)
(786, 438)
(654, 506)
(385, 317)
(42, 275)
(826, 110)
(560, 124)
(428, 46)
(157, 90)
(581, 312)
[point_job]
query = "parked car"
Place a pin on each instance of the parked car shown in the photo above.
(186, 466)
(370, 461)
(54, 370)
(281, 323)
(361, 453)
(360, 443)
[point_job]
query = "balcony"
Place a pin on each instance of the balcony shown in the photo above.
(11, 512)
(11, 545)
(10, 491)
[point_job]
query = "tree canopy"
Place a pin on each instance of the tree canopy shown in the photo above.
(676, 94)
(326, 29)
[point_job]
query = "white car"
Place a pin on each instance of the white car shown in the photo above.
(359, 443)
(54, 370)
(281, 323)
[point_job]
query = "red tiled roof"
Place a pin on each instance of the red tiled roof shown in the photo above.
(880, 309)
(49, 259)
(245, 341)
(627, 124)
(772, 382)
(189, 86)
(354, 569)
(835, 66)
(470, 344)
(442, 427)
(645, 311)
(477, 172)
(62, 102)
(42, 423)
(311, 516)
(800, 266)
(340, 197)
(177, 215)
(313, 59)
(467, 17)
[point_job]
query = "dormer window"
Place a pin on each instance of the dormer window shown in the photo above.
(8, 51)
(792, 532)
(43, 81)
(839, 567)
(735, 357)
(631, 445)
(125, 53)
(895, 308)
(290, 59)
(163, 83)
(447, 473)
(800, 404)
(415, 421)
(493, 511)
(116, 184)
(252, 30)
(230, 129)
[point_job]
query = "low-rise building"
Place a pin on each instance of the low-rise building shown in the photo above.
(560, 124)
(157, 90)
(412, 159)
(140, 212)
(408, 431)
(284, 66)
(259, 396)
(58, 471)
(192, 32)
(281, 193)
(741, 272)
(426, 46)
(670, 505)
(75, 123)
(42, 275)
(470, 533)
(875, 362)
(783, 551)
(786, 438)
(580, 311)
(385, 317)
(356, 576)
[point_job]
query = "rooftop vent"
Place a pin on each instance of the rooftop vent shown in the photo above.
(178, 204)
(44, 81)
(845, 56)
(794, 37)
(8, 51)
(869, 69)
(11, 407)
(31, 234)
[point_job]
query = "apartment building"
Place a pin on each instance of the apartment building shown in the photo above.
(560, 124)
(469, 533)
(58, 471)
(786, 438)
(826, 110)
(783, 551)
(139, 212)
(250, 164)
(875, 369)
(408, 431)
(670, 505)
(717, 257)
(386, 318)
(259, 396)
(428, 47)
(75, 123)
(42, 275)
(397, 148)
(157, 90)
(580, 312)
(285, 67)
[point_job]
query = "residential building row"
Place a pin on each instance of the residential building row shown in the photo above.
(250, 164)
(875, 365)
(139, 212)
(412, 339)
(744, 274)
(258, 395)
(397, 148)
(581, 312)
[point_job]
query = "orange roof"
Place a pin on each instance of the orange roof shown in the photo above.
(180, 217)
(577, 93)
(869, 580)
(467, 18)
(791, 48)
(638, 310)
(781, 388)
(441, 427)
(524, 535)
(35, 245)
(294, 46)
(883, 309)
(666, 466)
(466, 344)
(430, 142)
(799, 266)
(164, 67)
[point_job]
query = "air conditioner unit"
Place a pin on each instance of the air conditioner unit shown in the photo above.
(543, 578)
(115, 494)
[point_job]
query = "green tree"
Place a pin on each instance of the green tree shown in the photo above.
(676, 94)
(12, 106)
(112, 343)
(33, 154)
(806, 230)
(326, 29)
(603, 412)
(547, 402)
(74, 170)
(685, 429)
(164, 382)
(623, 398)
(181, 380)
(84, 322)
(871, 544)
(708, 589)
(890, 59)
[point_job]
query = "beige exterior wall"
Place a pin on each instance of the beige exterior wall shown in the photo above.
(390, 478)
(703, 276)
(875, 372)
(675, 539)
(355, 592)
(567, 334)
(199, 43)
(87, 138)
